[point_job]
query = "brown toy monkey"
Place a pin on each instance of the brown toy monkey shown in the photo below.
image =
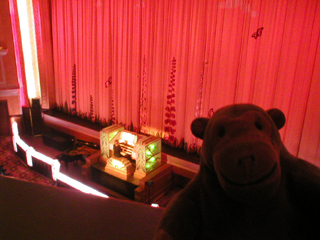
(248, 186)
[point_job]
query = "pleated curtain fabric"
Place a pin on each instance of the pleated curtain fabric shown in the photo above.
(155, 65)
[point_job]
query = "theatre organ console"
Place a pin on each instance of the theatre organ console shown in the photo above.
(127, 142)
(140, 154)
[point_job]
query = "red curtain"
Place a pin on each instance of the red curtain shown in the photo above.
(156, 65)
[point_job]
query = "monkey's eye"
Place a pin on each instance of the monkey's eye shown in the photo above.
(258, 125)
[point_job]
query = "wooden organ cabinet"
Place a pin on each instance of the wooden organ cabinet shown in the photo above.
(140, 154)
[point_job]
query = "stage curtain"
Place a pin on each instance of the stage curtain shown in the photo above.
(154, 65)
(42, 24)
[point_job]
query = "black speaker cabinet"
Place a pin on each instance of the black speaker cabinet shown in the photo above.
(32, 119)
(35, 103)
(58, 141)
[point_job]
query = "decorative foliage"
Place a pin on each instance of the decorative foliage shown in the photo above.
(210, 112)
(143, 97)
(191, 148)
(108, 82)
(199, 100)
(170, 116)
(92, 116)
(113, 117)
(66, 107)
(103, 122)
(74, 91)
(258, 33)
(170, 110)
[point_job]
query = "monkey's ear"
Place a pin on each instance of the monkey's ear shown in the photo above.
(277, 116)
(198, 127)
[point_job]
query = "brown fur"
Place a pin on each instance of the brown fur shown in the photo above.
(248, 186)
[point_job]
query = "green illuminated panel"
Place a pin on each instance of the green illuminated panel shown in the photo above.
(112, 135)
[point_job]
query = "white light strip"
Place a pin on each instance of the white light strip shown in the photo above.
(55, 169)
(22, 144)
(42, 157)
(15, 130)
(55, 164)
(14, 143)
(15, 136)
(30, 151)
(78, 185)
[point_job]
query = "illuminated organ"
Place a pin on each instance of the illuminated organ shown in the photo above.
(140, 154)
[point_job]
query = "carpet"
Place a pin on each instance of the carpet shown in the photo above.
(12, 166)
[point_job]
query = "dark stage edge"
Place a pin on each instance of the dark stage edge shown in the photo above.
(175, 152)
